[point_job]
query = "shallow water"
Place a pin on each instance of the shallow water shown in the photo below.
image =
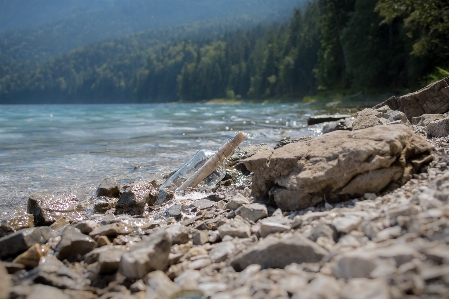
(71, 148)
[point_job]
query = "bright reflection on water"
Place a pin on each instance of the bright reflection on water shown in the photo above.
(71, 148)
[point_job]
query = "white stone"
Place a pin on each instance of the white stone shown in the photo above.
(221, 252)
(346, 224)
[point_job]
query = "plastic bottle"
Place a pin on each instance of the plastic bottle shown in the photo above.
(183, 173)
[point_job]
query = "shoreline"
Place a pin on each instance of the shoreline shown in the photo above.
(232, 242)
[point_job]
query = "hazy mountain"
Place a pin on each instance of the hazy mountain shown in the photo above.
(47, 28)
(20, 14)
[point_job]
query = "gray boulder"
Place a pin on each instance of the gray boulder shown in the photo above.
(338, 165)
(432, 99)
(73, 244)
(20, 241)
(108, 187)
(47, 208)
(149, 255)
(273, 252)
(438, 128)
(133, 200)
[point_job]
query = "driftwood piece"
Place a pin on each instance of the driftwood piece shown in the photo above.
(214, 162)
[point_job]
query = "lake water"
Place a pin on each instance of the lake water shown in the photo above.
(71, 148)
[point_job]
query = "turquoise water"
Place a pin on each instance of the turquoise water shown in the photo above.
(71, 148)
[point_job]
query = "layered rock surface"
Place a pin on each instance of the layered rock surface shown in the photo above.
(338, 165)
(432, 99)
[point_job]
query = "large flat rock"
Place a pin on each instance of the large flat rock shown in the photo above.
(432, 99)
(338, 166)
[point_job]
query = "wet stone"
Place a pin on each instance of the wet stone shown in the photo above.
(74, 244)
(20, 241)
(32, 256)
(86, 226)
(60, 224)
(174, 211)
(6, 229)
(103, 204)
(47, 208)
(21, 221)
(134, 199)
(108, 187)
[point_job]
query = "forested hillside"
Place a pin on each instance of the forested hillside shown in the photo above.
(73, 24)
(328, 45)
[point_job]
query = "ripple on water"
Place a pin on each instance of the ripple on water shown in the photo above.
(71, 148)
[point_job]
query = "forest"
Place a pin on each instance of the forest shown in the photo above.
(351, 46)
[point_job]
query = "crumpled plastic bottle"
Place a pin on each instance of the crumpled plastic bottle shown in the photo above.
(188, 169)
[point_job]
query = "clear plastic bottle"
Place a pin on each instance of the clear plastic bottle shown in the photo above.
(188, 169)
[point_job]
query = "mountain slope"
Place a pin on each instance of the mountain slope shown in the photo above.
(85, 23)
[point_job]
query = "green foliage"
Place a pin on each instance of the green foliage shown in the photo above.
(330, 46)
(427, 22)
(437, 75)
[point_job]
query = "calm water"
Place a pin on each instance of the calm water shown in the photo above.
(71, 148)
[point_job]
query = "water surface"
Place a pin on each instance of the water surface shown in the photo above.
(71, 148)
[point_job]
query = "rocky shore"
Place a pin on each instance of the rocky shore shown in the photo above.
(360, 212)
